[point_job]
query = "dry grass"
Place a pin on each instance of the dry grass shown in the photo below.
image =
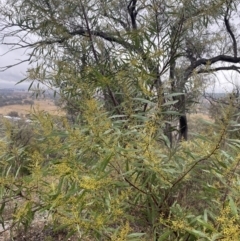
(199, 116)
(46, 105)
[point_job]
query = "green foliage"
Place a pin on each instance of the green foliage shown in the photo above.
(126, 71)
(112, 179)
(17, 139)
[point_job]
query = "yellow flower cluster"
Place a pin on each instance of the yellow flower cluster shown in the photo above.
(95, 117)
(99, 221)
(176, 224)
(90, 183)
(22, 210)
(179, 224)
(229, 225)
(36, 159)
(62, 169)
(122, 234)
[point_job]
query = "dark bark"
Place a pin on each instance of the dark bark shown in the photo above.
(183, 127)
(133, 13)
(229, 30)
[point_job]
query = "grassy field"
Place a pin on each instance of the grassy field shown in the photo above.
(194, 117)
(46, 105)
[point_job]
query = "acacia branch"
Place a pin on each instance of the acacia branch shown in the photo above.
(177, 29)
(181, 178)
(104, 35)
(96, 57)
(79, 31)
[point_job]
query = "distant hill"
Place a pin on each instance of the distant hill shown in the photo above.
(216, 95)
(11, 90)
(2, 91)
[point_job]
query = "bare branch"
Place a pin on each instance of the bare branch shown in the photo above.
(232, 67)
(225, 58)
(209, 62)
(107, 36)
(13, 65)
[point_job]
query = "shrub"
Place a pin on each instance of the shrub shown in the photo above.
(28, 102)
(106, 180)
(13, 114)
(19, 139)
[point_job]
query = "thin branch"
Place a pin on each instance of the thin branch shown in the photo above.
(89, 32)
(13, 65)
(107, 36)
(81, 31)
(179, 179)
(96, 57)
(174, 46)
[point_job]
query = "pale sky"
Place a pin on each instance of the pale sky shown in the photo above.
(225, 81)
(10, 77)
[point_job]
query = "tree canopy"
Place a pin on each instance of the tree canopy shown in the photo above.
(167, 47)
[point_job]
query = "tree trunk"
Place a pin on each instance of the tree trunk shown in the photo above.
(183, 127)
